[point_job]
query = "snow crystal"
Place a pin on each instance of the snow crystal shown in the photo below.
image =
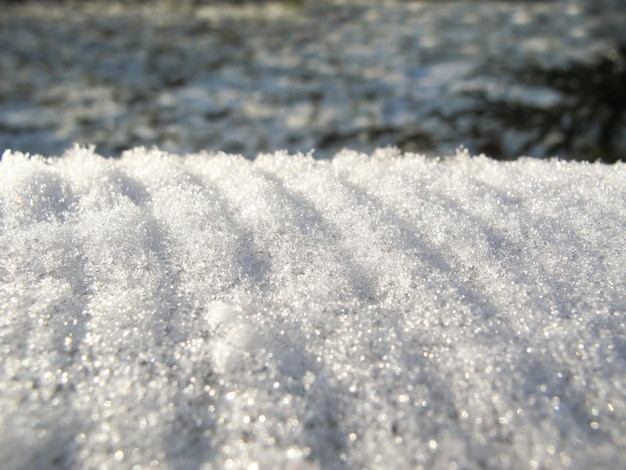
(387, 311)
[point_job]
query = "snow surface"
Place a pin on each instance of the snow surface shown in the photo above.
(383, 311)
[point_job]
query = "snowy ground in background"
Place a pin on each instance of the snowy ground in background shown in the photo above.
(295, 75)
(362, 312)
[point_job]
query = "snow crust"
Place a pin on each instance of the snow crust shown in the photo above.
(383, 311)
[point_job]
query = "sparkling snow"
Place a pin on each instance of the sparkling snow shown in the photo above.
(383, 311)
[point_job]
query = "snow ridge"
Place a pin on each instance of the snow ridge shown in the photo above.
(383, 311)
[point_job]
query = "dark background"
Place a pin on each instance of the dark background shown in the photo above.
(255, 76)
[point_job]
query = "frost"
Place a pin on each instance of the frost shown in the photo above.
(388, 311)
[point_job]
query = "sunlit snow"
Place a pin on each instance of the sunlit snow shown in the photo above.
(383, 311)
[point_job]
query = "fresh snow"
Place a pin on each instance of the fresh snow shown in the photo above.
(382, 311)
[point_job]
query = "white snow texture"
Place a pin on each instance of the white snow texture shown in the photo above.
(383, 311)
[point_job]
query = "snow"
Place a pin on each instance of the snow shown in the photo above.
(381, 311)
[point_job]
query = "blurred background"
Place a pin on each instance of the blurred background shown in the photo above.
(507, 78)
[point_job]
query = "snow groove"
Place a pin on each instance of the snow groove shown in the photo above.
(369, 311)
